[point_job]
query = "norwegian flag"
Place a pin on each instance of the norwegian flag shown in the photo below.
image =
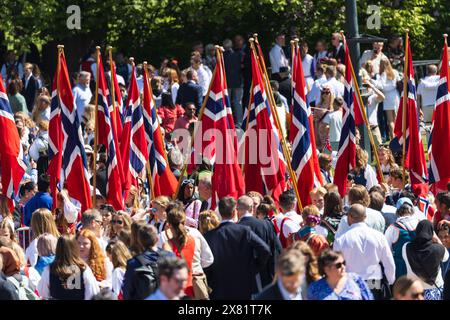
(74, 163)
(440, 129)
(304, 157)
(351, 117)
(11, 152)
(219, 139)
(164, 182)
(133, 145)
(106, 137)
(116, 110)
(415, 156)
(55, 138)
(264, 168)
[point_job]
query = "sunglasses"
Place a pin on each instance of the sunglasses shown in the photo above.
(188, 181)
(119, 222)
(325, 92)
(339, 264)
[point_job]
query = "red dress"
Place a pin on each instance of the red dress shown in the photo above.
(187, 253)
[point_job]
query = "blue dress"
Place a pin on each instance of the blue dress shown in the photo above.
(354, 289)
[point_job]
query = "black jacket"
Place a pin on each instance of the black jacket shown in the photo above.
(190, 92)
(239, 254)
(30, 91)
(266, 232)
(447, 286)
(7, 289)
(271, 292)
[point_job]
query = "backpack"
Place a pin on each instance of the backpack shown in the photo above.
(22, 289)
(145, 279)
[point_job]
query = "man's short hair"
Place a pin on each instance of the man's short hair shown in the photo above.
(330, 71)
(444, 198)
(379, 189)
(244, 203)
(190, 74)
(83, 74)
(187, 104)
(404, 210)
(147, 236)
(376, 201)
(358, 212)
(206, 180)
(168, 265)
(227, 205)
(43, 182)
(27, 186)
(287, 199)
(432, 69)
(290, 262)
(325, 159)
(359, 194)
(89, 216)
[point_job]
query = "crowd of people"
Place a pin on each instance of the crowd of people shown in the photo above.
(376, 242)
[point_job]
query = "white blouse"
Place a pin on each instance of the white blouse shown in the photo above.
(90, 284)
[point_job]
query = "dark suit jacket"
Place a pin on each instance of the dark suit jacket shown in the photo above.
(239, 254)
(30, 92)
(266, 232)
(271, 292)
(190, 92)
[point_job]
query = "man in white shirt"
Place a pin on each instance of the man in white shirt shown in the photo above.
(173, 277)
(314, 93)
(364, 249)
(376, 96)
(375, 55)
(308, 65)
(82, 93)
(203, 73)
(277, 56)
(321, 53)
(334, 120)
(374, 219)
(426, 92)
(336, 86)
(288, 204)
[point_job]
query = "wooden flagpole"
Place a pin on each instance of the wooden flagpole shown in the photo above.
(405, 99)
(273, 107)
(366, 119)
(58, 70)
(149, 170)
(94, 198)
(183, 172)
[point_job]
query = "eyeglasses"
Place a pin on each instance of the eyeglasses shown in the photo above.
(119, 222)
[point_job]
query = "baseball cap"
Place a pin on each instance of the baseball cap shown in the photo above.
(403, 201)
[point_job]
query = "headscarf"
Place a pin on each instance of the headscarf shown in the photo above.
(423, 254)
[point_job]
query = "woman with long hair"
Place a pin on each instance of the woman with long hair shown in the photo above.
(132, 201)
(190, 201)
(5, 214)
(41, 110)
(119, 257)
(120, 221)
(387, 161)
(311, 267)
(95, 258)
(169, 112)
(308, 233)
(174, 83)
(332, 214)
(365, 174)
(158, 215)
(68, 277)
(207, 221)
(387, 83)
(6, 230)
(42, 221)
(324, 107)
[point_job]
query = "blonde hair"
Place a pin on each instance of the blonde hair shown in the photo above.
(46, 244)
(362, 158)
(391, 160)
(42, 221)
(97, 258)
(207, 220)
(36, 114)
(162, 201)
(320, 190)
(385, 66)
(4, 224)
(120, 255)
(173, 76)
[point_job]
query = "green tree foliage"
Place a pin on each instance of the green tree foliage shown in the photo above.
(149, 29)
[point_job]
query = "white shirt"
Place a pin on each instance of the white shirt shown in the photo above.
(90, 284)
(117, 280)
(409, 272)
(287, 295)
(363, 249)
(40, 143)
(289, 226)
(374, 220)
(294, 216)
(427, 88)
(334, 120)
(204, 78)
(174, 91)
(31, 253)
(389, 89)
(367, 55)
(392, 233)
(82, 96)
(307, 63)
(277, 59)
(372, 108)
(314, 93)
(336, 86)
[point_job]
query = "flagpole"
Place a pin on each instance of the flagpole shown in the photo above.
(366, 120)
(405, 99)
(149, 171)
(94, 198)
(195, 131)
(246, 125)
(113, 94)
(58, 70)
(272, 106)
